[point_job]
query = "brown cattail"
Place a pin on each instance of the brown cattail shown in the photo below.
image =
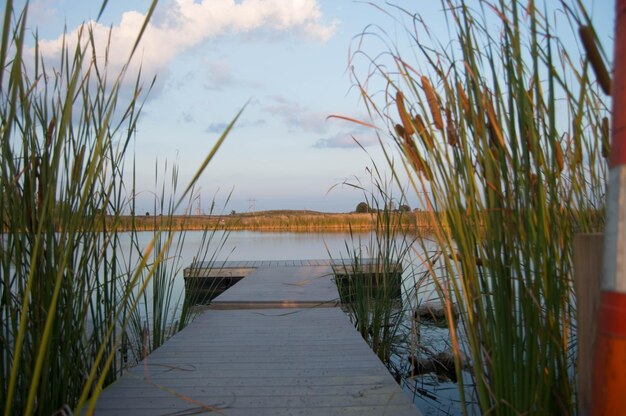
(427, 139)
(494, 129)
(450, 129)
(606, 138)
(404, 115)
(431, 97)
(400, 131)
(463, 98)
(78, 164)
(50, 131)
(578, 150)
(589, 42)
(558, 154)
(419, 165)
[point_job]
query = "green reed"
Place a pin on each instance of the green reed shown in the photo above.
(160, 313)
(66, 294)
(372, 287)
(503, 129)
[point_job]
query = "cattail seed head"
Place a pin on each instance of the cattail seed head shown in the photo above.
(451, 129)
(423, 132)
(558, 154)
(404, 115)
(433, 104)
(463, 98)
(400, 131)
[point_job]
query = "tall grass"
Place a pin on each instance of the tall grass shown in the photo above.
(66, 296)
(370, 279)
(504, 130)
(162, 310)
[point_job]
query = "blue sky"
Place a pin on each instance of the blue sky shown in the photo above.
(287, 59)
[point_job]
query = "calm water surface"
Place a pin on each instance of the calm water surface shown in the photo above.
(252, 245)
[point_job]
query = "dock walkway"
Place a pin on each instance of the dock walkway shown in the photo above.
(273, 344)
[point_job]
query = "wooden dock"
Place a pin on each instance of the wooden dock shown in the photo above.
(273, 344)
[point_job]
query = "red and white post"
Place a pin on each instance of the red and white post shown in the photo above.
(609, 368)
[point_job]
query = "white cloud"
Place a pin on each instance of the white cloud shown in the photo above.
(182, 24)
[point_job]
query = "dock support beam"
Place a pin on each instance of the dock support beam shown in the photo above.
(609, 376)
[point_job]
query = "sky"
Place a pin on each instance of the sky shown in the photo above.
(286, 61)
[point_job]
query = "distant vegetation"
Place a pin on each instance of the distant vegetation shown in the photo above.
(279, 220)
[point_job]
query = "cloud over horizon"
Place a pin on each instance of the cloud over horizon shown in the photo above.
(180, 25)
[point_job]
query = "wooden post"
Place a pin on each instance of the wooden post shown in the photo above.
(588, 249)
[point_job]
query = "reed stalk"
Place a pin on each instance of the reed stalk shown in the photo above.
(516, 169)
(370, 280)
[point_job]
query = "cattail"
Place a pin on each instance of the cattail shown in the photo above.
(589, 42)
(463, 98)
(400, 131)
(78, 163)
(578, 151)
(419, 165)
(404, 115)
(494, 129)
(427, 139)
(558, 154)
(50, 131)
(450, 129)
(606, 139)
(431, 97)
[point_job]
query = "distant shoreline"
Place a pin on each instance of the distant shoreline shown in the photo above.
(279, 220)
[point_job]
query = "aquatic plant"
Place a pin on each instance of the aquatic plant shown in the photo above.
(370, 278)
(504, 131)
(66, 296)
(162, 310)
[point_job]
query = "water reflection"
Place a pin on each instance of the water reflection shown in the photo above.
(251, 245)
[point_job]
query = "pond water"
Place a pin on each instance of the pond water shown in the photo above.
(252, 245)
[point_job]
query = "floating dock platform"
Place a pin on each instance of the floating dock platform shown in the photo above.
(275, 343)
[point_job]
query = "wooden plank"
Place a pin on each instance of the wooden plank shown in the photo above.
(281, 286)
(303, 361)
(142, 389)
(235, 400)
(235, 305)
(253, 382)
(190, 409)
